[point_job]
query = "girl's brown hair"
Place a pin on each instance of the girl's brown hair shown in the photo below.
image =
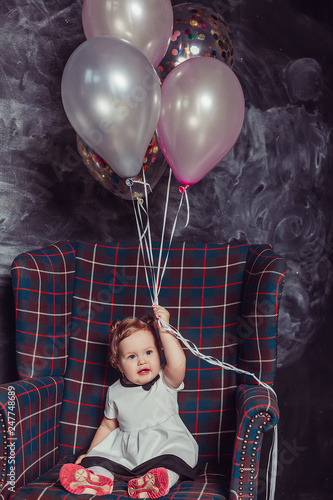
(120, 330)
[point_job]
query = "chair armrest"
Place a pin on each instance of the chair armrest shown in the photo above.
(29, 419)
(258, 412)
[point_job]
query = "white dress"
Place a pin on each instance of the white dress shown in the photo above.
(150, 433)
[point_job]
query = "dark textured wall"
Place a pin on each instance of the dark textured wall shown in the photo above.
(275, 186)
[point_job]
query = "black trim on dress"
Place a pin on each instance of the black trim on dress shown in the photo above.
(167, 461)
(146, 387)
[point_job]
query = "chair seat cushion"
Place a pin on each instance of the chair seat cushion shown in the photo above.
(210, 484)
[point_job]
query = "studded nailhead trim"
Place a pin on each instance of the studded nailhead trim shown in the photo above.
(249, 454)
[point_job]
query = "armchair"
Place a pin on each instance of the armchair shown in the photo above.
(225, 299)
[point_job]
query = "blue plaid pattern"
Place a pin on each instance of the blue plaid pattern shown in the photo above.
(224, 299)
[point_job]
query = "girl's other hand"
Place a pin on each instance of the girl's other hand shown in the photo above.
(81, 457)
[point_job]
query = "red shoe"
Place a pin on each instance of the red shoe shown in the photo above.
(76, 479)
(154, 484)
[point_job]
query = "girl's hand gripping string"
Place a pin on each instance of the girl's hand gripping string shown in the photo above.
(174, 371)
(161, 313)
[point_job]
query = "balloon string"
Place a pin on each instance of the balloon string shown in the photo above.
(272, 462)
(144, 231)
(145, 234)
(141, 237)
(172, 235)
(210, 359)
(130, 181)
(144, 183)
(147, 246)
(148, 242)
(159, 278)
(188, 209)
(190, 345)
(272, 466)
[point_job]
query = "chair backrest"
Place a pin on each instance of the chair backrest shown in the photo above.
(224, 299)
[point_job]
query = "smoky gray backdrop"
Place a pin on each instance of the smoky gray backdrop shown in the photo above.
(275, 187)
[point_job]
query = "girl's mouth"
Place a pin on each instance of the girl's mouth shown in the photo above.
(145, 371)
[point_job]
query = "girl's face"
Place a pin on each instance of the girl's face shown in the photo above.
(139, 359)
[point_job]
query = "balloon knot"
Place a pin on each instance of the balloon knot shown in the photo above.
(182, 189)
(129, 182)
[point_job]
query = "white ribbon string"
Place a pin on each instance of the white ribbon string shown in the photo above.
(141, 237)
(156, 272)
(210, 359)
(171, 238)
(159, 279)
(272, 466)
(144, 183)
(273, 455)
(148, 244)
(188, 209)
(154, 287)
(130, 182)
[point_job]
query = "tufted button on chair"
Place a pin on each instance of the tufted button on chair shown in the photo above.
(225, 299)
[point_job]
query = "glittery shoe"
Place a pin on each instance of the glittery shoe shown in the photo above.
(154, 484)
(78, 480)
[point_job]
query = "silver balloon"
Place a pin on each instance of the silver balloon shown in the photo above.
(112, 97)
(147, 24)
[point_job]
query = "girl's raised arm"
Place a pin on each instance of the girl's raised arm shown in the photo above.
(174, 371)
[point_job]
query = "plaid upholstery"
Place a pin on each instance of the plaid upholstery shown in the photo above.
(43, 286)
(30, 409)
(211, 293)
(202, 289)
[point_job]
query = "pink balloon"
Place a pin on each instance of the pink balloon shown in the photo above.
(202, 115)
(147, 24)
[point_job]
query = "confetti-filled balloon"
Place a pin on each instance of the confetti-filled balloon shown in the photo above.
(198, 31)
(153, 166)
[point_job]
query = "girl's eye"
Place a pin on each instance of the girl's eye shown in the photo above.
(131, 356)
(149, 352)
